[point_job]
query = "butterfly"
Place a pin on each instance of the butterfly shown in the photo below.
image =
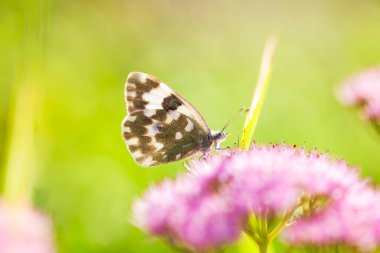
(161, 126)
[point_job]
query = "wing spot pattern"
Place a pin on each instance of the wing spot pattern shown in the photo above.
(132, 118)
(149, 113)
(161, 126)
(178, 135)
(171, 103)
(189, 126)
(133, 141)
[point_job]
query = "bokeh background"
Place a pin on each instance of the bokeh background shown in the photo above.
(79, 53)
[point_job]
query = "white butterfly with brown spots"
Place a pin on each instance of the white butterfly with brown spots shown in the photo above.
(161, 126)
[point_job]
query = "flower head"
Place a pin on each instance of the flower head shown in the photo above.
(190, 212)
(209, 207)
(23, 229)
(363, 90)
(271, 179)
(352, 220)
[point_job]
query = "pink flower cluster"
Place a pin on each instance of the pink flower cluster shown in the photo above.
(353, 219)
(210, 206)
(189, 212)
(23, 229)
(363, 90)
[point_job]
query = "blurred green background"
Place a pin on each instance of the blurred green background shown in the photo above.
(80, 52)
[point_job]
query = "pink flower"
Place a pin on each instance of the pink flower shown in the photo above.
(189, 212)
(23, 229)
(353, 219)
(210, 206)
(271, 179)
(363, 90)
(263, 182)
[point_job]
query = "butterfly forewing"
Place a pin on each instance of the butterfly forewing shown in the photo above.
(144, 91)
(161, 126)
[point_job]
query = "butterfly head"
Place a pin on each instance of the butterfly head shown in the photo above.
(218, 137)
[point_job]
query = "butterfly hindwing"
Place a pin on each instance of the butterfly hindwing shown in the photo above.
(162, 137)
(161, 126)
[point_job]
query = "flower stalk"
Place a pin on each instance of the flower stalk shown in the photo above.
(258, 231)
(284, 222)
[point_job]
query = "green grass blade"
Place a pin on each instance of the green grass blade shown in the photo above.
(259, 93)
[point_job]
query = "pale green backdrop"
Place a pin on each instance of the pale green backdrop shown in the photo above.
(209, 51)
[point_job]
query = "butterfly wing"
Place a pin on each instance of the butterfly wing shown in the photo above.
(161, 126)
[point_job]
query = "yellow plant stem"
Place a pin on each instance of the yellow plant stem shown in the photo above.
(259, 93)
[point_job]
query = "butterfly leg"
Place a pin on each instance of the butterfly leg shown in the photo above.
(204, 154)
(218, 147)
(223, 150)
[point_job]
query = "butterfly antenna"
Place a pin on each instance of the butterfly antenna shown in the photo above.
(242, 109)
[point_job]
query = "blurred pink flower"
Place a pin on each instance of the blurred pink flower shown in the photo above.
(352, 220)
(210, 206)
(189, 212)
(24, 230)
(363, 90)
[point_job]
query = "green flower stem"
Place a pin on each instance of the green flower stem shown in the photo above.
(251, 232)
(259, 93)
(263, 231)
(276, 231)
(263, 246)
(258, 232)
(257, 229)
